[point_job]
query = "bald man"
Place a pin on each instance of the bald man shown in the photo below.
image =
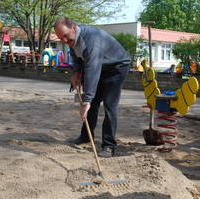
(103, 64)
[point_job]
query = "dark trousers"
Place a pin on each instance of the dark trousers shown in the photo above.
(108, 91)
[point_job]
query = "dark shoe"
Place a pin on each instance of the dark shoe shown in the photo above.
(79, 141)
(106, 152)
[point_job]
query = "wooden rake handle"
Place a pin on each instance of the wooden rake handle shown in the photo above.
(90, 134)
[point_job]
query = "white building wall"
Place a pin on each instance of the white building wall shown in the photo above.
(23, 49)
(16, 49)
(132, 28)
(161, 64)
(135, 29)
(159, 51)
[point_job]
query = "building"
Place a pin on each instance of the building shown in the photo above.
(19, 41)
(162, 41)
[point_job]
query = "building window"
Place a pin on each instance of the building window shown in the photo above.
(145, 45)
(166, 52)
(163, 54)
(18, 43)
(26, 44)
(53, 44)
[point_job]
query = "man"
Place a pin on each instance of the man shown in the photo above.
(103, 64)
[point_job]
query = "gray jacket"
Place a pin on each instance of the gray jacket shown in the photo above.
(96, 49)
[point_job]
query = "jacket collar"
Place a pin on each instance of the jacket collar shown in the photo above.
(78, 32)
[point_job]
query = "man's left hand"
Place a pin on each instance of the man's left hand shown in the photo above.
(84, 111)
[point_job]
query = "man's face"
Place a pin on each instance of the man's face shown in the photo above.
(65, 34)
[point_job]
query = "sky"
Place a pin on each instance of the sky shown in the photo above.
(129, 13)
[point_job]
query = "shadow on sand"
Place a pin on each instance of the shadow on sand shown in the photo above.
(136, 195)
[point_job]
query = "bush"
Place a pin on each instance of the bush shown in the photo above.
(188, 50)
(130, 43)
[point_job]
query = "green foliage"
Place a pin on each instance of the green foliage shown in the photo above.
(187, 50)
(37, 17)
(130, 43)
(180, 15)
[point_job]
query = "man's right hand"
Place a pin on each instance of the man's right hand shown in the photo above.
(76, 79)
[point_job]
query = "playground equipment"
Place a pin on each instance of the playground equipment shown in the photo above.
(167, 105)
(48, 58)
(60, 59)
(55, 59)
(187, 70)
(193, 67)
(151, 135)
(179, 68)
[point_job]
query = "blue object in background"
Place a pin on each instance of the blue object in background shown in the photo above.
(48, 61)
(69, 58)
(186, 70)
(169, 92)
(163, 105)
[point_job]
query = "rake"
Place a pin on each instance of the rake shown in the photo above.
(100, 177)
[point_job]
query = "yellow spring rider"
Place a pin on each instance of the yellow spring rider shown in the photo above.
(179, 102)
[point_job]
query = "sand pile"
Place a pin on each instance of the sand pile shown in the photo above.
(56, 171)
(37, 162)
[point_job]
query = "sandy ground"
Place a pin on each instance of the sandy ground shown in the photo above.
(36, 160)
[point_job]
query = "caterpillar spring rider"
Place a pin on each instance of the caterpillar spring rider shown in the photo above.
(167, 104)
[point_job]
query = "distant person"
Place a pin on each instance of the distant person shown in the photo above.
(172, 69)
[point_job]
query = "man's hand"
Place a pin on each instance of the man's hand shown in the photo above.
(76, 79)
(84, 111)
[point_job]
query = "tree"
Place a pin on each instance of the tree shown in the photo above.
(187, 50)
(36, 17)
(131, 44)
(180, 15)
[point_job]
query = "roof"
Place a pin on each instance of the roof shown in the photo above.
(113, 24)
(166, 35)
(157, 34)
(19, 33)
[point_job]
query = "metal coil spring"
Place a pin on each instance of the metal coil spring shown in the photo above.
(168, 131)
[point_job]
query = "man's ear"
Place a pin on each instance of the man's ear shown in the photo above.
(74, 27)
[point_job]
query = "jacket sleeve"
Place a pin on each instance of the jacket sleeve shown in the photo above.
(92, 67)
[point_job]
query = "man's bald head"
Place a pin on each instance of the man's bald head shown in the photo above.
(64, 21)
(65, 29)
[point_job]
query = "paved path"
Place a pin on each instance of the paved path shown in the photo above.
(128, 97)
